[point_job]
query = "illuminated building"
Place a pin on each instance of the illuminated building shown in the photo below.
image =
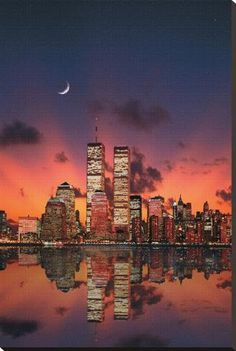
(66, 192)
(121, 290)
(169, 235)
(99, 216)
(226, 229)
(121, 182)
(175, 212)
(3, 222)
(155, 208)
(188, 211)
(154, 229)
(54, 220)
(135, 217)
(29, 228)
(95, 175)
(180, 208)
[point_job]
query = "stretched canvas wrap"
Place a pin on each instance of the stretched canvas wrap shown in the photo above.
(115, 174)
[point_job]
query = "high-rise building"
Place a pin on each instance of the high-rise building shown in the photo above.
(180, 208)
(121, 181)
(155, 208)
(95, 175)
(3, 222)
(99, 229)
(154, 232)
(29, 228)
(66, 193)
(188, 211)
(54, 225)
(169, 235)
(135, 217)
(175, 212)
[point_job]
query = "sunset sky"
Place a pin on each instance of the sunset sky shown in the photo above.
(156, 74)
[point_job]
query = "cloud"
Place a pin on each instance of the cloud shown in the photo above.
(141, 295)
(22, 192)
(19, 133)
(143, 178)
(216, 162)
(188, 160)
(79, 193)
(168, 165)
(60, 157)
(133, 113)
(61, 310)
(17, 327)
(181, 145)
(225, 195)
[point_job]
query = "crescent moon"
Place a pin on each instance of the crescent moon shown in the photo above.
(65, 91)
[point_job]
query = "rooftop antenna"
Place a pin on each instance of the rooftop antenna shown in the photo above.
(96, 130)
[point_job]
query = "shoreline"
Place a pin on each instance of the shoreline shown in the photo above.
(128, 245)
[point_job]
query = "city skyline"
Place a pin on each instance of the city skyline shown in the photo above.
(162, 88)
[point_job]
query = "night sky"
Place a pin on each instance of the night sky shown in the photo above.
(157, 75)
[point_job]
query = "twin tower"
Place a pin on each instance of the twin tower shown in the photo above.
(121, 186)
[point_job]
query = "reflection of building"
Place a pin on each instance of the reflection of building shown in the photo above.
(60, 266)
(29, 228)
(54, 220)
(135, 217)
(95, 175)
(95, 298)
(121, 181)
(121, 290)
(66, 193)
(99, 216)
(28, 256)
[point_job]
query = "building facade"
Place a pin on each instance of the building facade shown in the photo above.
(121, 186)
(135, 217)
(99, 217)
(66, 193)
(29, 229)
(95, 176)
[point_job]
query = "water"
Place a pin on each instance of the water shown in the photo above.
(111, 297)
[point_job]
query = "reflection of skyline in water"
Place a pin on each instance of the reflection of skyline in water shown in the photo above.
(118, 276)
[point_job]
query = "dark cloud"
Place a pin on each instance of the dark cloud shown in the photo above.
(168, 165)
(225, 284)
(143, 178)
(61, 157)
(79, 193)
(188, 160)
(108, 167)
(22, 192)
(225, 195)
(181, 144)
(216, 162)
(143, 340)
(61, 310)
(141, 295)
(19, 133)
(134, 114)
(206, 172)
(17, 327)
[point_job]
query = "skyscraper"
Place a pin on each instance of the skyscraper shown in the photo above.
(3, 222)
(135, 217)
(121, 181)
(95, 175)
(66, 193)
(54, 220)
(29, 228)
(155, 208)
(99, 216)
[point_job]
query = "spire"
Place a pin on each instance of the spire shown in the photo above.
(96, 130)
